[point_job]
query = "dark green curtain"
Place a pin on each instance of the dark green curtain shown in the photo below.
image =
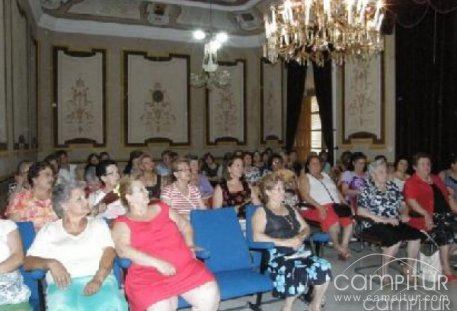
(296, 76)
(426, 78)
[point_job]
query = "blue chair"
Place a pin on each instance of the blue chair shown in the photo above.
(219, 232)
(31, 279)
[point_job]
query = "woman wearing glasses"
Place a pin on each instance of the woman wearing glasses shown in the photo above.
(181, 195)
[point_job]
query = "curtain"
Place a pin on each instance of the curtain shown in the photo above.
(323, 87)
(303, 137)
(426, 80)
(296, 76)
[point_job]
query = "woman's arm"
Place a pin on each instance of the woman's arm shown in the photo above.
(121, 238)
(58, 271)
(304, 189)
(415, 206)
(104, 269)
(217, 197)
(16, 257)
(363, 212)
(304, 227)
(259, 222)
(347, 191)
(184, 227)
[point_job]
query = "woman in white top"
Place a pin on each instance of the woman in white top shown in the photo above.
(181, 194)
(12, 288)
(78, 253)
(319, 190)
(400, 175)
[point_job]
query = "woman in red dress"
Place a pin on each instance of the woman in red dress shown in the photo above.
(160, 244)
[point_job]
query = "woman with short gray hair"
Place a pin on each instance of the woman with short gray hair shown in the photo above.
(79, 266)
(384, 214)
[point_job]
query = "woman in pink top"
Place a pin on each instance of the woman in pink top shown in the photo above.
(35, 204)
(181, 195)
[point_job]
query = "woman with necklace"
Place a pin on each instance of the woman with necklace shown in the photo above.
(384, 214)
(292, 268)
(234, 191)
(78, 253)
(319, 190)
(400, 175)
(34, 204)
(181, 195)
(432, 208)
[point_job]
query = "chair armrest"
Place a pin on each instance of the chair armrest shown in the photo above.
(36, 274)
(123, 262)
(202, 254)
(261, 245)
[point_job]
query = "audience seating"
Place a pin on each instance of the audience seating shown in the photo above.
(365, 237)
(219, 232)
(31, 279)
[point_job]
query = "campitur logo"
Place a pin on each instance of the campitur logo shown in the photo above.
(421, 291)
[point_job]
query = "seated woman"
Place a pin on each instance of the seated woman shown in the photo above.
(384, 214)
(449, 176)
(292, 269)
(400, 174)
(211, 169)
(199, 180)
(354, 179)
(251, 173)
(78, 253)
(20, 178)
(434, 209)
(34, 204)
(181, 195)
(234, 191)
(105, 202)
(319, 190)
(14, 294)
(160, 244)
(152, 181)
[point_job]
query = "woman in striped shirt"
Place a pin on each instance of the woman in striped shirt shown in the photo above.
(181, 195)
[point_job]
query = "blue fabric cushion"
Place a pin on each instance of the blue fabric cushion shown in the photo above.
(244, 282)
(320, 237)
(219, 232)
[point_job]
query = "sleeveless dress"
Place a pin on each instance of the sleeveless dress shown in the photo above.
(161, 238)
(292, 276)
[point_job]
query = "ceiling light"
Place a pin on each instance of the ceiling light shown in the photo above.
(199, 34)
(222, 37)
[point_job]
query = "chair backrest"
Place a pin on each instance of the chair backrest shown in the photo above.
(27, 232)
(219, 232)
(250, 210)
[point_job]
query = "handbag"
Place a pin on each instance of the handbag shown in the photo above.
(428, 267)
(341, 210)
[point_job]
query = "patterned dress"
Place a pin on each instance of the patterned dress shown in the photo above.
(27, 208)
(293, 271)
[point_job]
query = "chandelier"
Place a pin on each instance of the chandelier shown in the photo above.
(303, 30)
(210, 77)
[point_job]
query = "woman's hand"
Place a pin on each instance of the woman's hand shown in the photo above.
(92, 287)
(428, 222)
(59, 274)
(294, 242)
(392, 221)
(165, 268)
(404, 218)
(322, 212)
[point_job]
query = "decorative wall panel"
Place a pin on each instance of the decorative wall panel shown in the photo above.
(271, 100)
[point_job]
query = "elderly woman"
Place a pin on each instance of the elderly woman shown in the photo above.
(319, 190)
(434, 208)
(152, 181)
(181, 195)
(383, 213)
(233, 191)
(105, 202)
(160, 244)
(14, 294)
(78, 253)
(35, 204)
(292, 268)
(354, 179)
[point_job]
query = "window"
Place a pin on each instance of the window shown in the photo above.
(316, 127)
